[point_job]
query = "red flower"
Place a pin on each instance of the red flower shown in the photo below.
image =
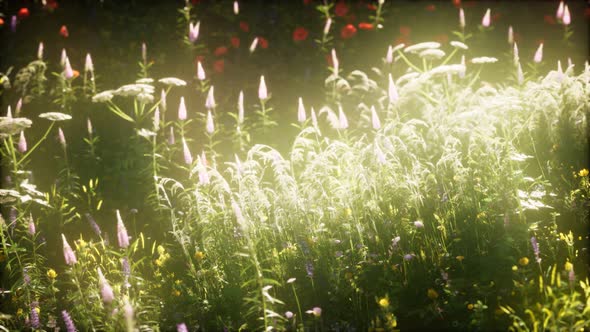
(348, 31)
(549, 19)
(262, 42)
(221, 50)
(23, 13)
(341, 9)
(371, 6)
(64, 31)
(306, 2)
(235, 42)
(76, 73)
(442, 38)
(52, 4)
(430, 8)
(366, 26)
(457, 3)
(405, 30)
(244, 26)
(219, 66)
(1, 21)
(300, 34)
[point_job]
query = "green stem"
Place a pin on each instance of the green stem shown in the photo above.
(35, 146)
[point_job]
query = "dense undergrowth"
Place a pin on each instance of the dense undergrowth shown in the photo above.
(417, 196)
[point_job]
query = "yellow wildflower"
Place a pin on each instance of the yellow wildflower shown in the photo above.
(460, 258)
(51, 274)
(161, 250)
(178, 282)
(523, 261)
(384, 302)
(514, 268)
(583, 172)
(348, 212)
(569, 266)
(176, 293)
(470, 306)
(432, 294)
(199, 255)
(19, 312)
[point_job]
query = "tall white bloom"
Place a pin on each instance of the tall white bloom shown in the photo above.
(200, 72)
(375, 118)
(122, 237)
(461, 18)
(157, 118)
(188, 158)
(335, 63)
(40, 51)
(262, 92)
(327, 26)
(539, 54)
(486, 21)
(389, 55)
(210, 101)
(182, 110)
(392, 91)
(241, 107)
(342, 120)
(236, 8)
(510, 35)
(210, 125)
(567, 19)
(193, 31)
(88, 65)
(301, 117)
(560, 11)
(253, 45)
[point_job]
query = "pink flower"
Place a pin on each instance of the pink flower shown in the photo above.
(188, 158)
(392, 91)
(193, 32)
(106, 291)
(69, 254)
(61, 137)
(262, 92)
(22, 143)
(539, 54)
(486, 20)
(122, 236)
(462, 18)
(88, 65)
(200, 71)
(301, 111)
(375, 118)
(567, 19)
(182, 110)
(210, 125)
(560, 11)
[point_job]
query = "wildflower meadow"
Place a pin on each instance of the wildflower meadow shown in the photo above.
(305, 165)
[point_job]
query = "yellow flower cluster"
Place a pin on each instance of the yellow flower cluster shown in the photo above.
(163, 256)
(384, 302)
(51, 274)
(583, 172)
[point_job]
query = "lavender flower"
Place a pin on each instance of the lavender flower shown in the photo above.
(200, 72)
(193, 32)
(181, 327)
(262, 91)
(68, 71)
(22, 143)
(314, 118)
(70, 327)
(13, 22)
(539, 54)
(69, 254)
(536, 249)
(316, 311)
(408, 257)
(188, 158)
(418, 224)
(35, 316)
(19, 106)
(32, 228)
(392, 91)
(171, 139)
(309, 269)
(210, 125)
(61, 138)
(486, 20)
(26, 277)
(106, 291)
(289, 315)
(182, 110)
(93, 224)
(241, 107)
(342, 120)
(122, 232)
(125, 267)
(462, 18)
(301, 117)
(375, 118)
(202, 170)
(210, 101)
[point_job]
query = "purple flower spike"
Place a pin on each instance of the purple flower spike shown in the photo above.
(13, 23)
(93, 224)
(35, 323)
(69, 254)
(122, 232)
(188, 158)
(181, 327)
(22, 143)
(536, 250)
(70, 327)
(193, 31)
